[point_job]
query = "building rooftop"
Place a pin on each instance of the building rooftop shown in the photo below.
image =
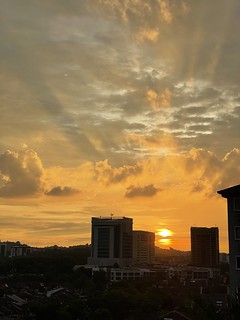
(174, 315)
(230, 192)
(112, 217)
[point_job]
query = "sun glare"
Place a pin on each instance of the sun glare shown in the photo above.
(164, 233)
(165, 241)
(164, 236)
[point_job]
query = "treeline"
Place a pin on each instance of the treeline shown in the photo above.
(51, 263)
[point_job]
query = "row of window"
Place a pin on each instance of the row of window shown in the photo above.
(237, 204)
(237, 262)
(237, 232)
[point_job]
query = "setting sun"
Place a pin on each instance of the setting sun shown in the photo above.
(164, 233)
(165, 241)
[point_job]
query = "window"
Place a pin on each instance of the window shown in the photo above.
(237, 232)
(237, 204)
(103, 242)
(237, 262)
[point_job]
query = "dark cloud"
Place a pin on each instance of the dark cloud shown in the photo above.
(21, 174)
(61, 191)
(108, 174)
(146, 191)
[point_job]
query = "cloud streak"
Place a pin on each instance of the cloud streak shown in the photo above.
(146, 191)
(61, 191)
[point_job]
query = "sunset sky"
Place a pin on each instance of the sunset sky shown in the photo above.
(124, 107)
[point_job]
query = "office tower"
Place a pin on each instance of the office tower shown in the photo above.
(111, 241)
(232, 195)
(204, 246)
(143, 247)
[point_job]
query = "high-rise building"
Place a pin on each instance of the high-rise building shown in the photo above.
(204, 246)
(111, 241)
(143, 247)
(232, 195)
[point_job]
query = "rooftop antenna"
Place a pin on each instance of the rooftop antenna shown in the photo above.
(111, 215)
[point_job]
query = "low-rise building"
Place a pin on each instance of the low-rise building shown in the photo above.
(118, 274)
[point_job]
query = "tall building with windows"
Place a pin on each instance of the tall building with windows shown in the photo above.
(232, 195)
(111, 241)
(143, 247)
(204, 246)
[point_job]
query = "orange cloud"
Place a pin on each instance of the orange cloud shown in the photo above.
(107, 174)
(165, 11)
(147, 34)
(159, 100)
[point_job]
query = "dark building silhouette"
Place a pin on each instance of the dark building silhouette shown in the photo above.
(204, 246)
(232, 195)
(111, 241)
(143, 247)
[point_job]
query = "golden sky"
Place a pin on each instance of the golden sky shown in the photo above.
(128, 107)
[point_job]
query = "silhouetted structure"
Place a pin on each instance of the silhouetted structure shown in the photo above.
(143, 247)
(14, 249)
(174, 315)
(204, 246)
(111, 241)
(232, 195)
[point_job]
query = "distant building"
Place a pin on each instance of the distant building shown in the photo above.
(204, 247)
(111, 241)
(223, 257)
(119, 274)
(13, 249)
(20, 250)
(192, 274)
(3, 249)
(143, 247)
(232, 195)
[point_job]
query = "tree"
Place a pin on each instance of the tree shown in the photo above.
(101, 314)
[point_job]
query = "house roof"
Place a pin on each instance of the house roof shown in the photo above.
(230, 192)
(16, 299)
(53, 291)
(175, 315)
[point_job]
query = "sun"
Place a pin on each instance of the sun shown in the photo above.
(164, 233)
(164, 236)
(165, 241)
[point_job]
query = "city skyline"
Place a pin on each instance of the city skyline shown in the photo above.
(117, 107)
